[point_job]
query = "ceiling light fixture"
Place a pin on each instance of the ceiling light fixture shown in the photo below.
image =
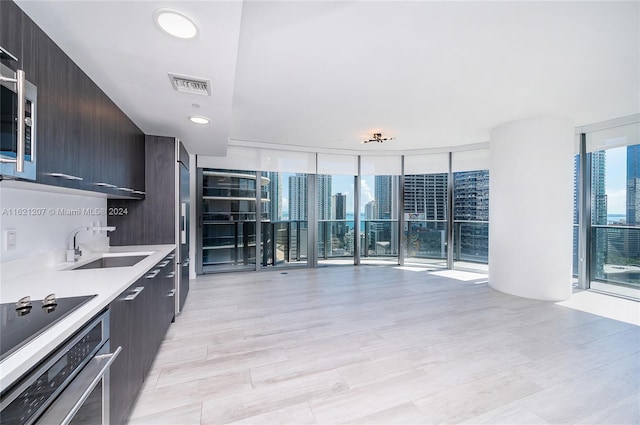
(377, 138)
(175, 23)
(199, 120)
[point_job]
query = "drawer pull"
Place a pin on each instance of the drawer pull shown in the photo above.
(132, 296)
(152, 274)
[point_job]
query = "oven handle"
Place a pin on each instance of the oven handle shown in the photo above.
(73, 397)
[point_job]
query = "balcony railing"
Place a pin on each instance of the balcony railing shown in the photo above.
(615, 255)
(428, 239)
(335, 238)
(285, 242)
(471, 241)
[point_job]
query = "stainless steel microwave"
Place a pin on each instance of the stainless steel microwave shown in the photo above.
(18, 101)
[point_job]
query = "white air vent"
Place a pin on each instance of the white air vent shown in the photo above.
(191, 85)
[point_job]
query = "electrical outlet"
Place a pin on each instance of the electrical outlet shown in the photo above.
(10, 239)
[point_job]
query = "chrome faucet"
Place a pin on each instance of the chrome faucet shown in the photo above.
(73, 252)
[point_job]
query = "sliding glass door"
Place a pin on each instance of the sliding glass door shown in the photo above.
(228, 220)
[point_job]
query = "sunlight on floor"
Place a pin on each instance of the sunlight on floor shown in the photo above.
(460, 275)
(605, 305)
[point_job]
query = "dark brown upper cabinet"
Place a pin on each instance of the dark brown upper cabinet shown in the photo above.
(84, 141)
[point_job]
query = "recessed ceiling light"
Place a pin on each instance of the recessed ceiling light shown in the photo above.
(175, 23)
(199, 120)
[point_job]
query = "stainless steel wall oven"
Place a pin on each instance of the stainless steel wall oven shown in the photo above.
(70, 386)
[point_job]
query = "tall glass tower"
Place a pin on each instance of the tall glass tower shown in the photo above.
(599, 209)
(274, 189)
(298, 197)
(633, 185)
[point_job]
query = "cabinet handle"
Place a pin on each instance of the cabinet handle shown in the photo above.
(152, 274)
(65, 176)
(164, 263)
(19, 82)
(171, 256)
(134, 293)
(172, 274)
(21, 118)
(108, 185)
(172, 293)
(186, 262)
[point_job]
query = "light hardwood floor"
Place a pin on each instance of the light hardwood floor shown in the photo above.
(383, 345)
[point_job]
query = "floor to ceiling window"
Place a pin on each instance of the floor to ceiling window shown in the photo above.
(425, 199)
(285, 229)
(614, 155)
(471, 209)
(380, 207)
(336, 214)
(336, 221)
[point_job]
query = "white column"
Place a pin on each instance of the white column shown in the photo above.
(531, 208)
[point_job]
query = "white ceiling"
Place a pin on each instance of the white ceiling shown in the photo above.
(328, 74)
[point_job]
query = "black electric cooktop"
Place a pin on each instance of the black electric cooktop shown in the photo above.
(20, 324)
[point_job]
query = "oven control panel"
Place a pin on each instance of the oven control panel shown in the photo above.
(34, 393)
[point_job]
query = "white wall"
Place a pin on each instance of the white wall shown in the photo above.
(531, 208)
(44, 216)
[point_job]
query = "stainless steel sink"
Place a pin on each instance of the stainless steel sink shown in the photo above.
(109, 261)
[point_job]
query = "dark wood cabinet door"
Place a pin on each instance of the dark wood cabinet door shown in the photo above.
(122, 382)
(80, 131)
(127, 327)
(153, 221)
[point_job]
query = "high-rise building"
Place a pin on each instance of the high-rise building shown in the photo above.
(471, 214)
(339, 207)
(632, 237)
(371, 210)
(599, 209)
(274, 189)
(426, 194)
(633, 185)
(384, 196)
(324, 197)
(576, 210)
(298, 197)
(598, 188)
(471, 195)
(325, 236)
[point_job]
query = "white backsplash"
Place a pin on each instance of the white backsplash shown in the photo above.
(43, 217)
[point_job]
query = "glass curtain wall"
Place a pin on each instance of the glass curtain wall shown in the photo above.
(335, 212)
(285, 228)
(229, 219)
(471, 209)
(379, 209)
(379, 218)
(426, 209)
(615, 210)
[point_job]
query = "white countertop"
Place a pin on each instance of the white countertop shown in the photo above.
(106, 284)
